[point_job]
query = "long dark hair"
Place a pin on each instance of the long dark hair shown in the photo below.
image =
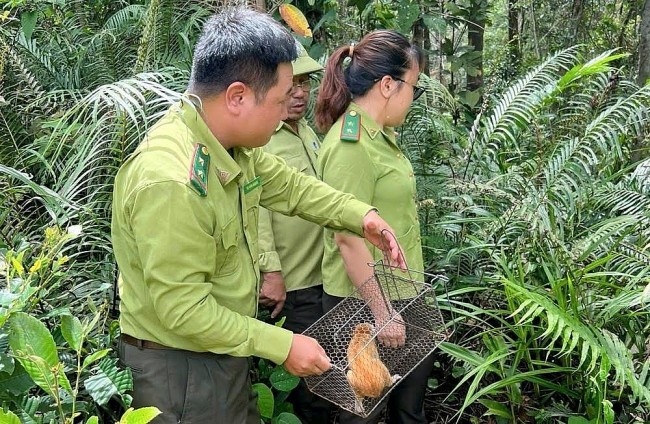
(379, 53)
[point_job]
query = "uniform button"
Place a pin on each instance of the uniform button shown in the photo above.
(411, 174)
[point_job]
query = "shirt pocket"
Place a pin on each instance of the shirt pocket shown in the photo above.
(228, 260)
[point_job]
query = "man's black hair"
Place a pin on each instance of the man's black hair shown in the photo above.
(240, 44)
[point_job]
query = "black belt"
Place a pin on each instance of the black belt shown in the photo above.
(142, 344)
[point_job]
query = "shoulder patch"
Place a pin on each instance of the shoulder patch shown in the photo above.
(351, 128)
(199, 170)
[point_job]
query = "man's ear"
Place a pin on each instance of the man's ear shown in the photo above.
(236, 95)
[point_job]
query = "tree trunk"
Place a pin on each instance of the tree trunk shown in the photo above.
(475, 33)
(576, 16)
(513, 35)
(422, 39)
(644, 45)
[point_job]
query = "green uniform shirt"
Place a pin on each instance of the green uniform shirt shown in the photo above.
(377, 172)
(189, 275)
(291, 244)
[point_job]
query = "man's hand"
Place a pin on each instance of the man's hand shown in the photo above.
(306, 357)
(378, 232)
(392, 334)
(273, 293)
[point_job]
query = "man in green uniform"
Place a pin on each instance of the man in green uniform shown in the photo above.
(291, 248)
(184, 229)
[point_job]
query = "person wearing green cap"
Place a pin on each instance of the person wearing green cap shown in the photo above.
(291, 248)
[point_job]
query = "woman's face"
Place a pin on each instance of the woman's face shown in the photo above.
(400, 102)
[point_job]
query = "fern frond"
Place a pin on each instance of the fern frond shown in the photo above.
(516, 107)
(621, 360)
(559, 325)
(623, 118)
(593, 344)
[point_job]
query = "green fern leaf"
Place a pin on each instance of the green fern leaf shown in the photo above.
(108, 381)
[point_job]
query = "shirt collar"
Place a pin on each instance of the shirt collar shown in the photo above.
(302, 122)
(371, 126)
(226, 166)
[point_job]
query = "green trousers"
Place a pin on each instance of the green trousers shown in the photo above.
(190, 387)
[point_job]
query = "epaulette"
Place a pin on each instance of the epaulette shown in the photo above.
(351, 128)
(199, 170)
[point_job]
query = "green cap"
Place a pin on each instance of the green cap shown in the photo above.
(305, 64)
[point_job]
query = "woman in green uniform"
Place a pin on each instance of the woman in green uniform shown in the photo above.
(358, 105)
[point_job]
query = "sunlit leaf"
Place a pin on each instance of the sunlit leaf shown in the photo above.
(295, 19)
(139, 416)
(8, 417)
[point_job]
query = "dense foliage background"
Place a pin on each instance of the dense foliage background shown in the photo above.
(534, 194)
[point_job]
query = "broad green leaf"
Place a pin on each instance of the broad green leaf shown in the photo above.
(8, 418)
(286, 418)
(93, 420)
(72, 331)
(108, 381)
(282, 380)
(265, 401)
(95, 356)
(452, 8)
(435, 23)
(28, 23)
(407, 14)
(34, 347)
(30, 336)
(140, 415)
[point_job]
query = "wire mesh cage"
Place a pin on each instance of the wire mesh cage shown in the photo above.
(359, 337)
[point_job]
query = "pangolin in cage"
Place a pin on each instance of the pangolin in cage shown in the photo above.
(367, 374)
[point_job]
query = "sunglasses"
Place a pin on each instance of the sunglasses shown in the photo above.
(417, 91)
